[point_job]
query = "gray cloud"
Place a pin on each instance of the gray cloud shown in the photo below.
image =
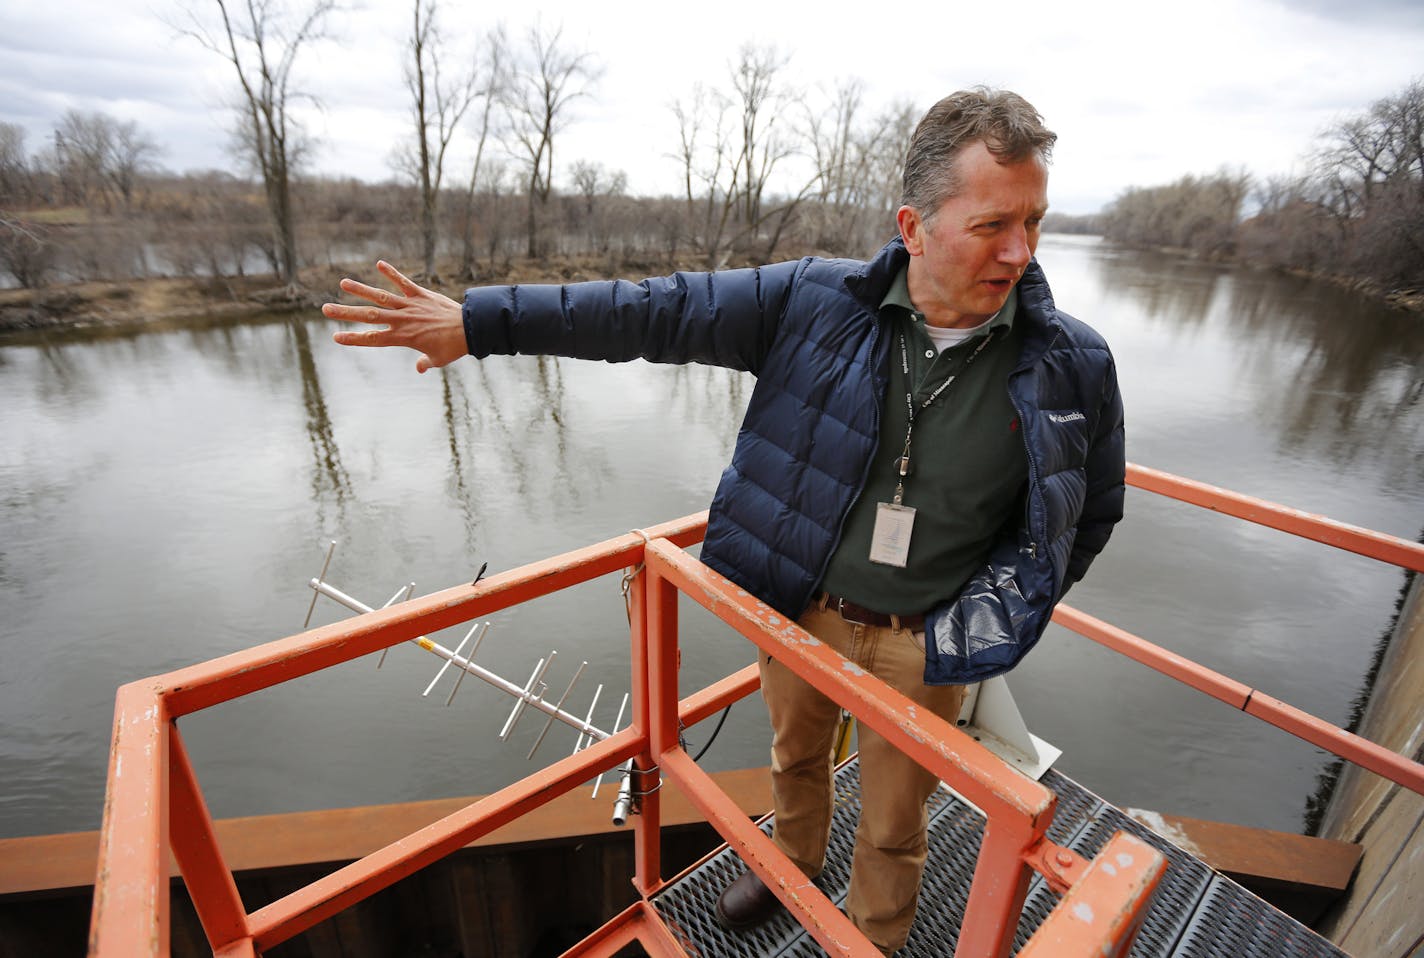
(1408, 14)
(1133, 97)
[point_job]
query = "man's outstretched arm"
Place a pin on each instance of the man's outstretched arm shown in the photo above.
(412, 316)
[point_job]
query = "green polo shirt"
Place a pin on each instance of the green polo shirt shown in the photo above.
(968, 463)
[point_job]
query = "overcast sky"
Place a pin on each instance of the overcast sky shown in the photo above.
(1140, 93)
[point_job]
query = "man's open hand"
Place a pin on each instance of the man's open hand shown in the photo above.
(431, 323)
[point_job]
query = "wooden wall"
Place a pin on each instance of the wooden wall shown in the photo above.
(1383, 916)
(533, 901)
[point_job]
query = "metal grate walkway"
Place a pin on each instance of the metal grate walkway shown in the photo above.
(1196, 912)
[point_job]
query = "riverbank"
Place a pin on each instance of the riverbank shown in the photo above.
(1407, 300)
(142, 303)
(129, 305)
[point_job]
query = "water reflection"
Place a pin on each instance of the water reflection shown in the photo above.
(1163, 287)
(455, 423)
(550, 383)
(65, 379)
(549, 401)
(1359, 379)
(218, 439)
(508, 446)
(231, 346)
(712, 394)
(328, 474)
(1326, 370)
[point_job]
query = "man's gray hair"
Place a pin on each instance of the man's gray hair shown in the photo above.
(1006, 123)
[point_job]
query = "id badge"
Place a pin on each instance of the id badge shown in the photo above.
(890, 542)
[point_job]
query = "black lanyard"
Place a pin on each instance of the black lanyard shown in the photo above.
(902, 464)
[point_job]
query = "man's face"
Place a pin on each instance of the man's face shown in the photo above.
(966, 257)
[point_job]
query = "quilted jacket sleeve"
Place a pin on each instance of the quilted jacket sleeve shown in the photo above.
(726, 318)
(1106, 473)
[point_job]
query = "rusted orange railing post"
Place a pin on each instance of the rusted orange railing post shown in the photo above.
(384, 867)
(1302, 725)
(640, 923)
(825, 923)
(130, 914)
(1307, 525)
(1366, 542)
(195, 846)
(154, 799)
(131, 902)
(1018, 809)
(646, 782)
(1101, 914)
(999, 886)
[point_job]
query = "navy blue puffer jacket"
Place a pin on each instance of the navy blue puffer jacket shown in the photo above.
(810, 332)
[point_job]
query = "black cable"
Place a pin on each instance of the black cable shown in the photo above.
(725, 712)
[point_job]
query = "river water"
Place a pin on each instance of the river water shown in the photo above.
(165, 496)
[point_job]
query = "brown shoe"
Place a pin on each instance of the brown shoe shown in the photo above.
(746, 903)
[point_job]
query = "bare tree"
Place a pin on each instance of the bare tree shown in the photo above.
(132, 153)
(763, 144)
(736, 158)
(492, 78)
(1362, 153)
(16, 177)
(493, 180)
(857, 167)
(538, 100)
(26, 252)
(438, 104)
(587, 177)
(81, 148)
(1407, 110)
(1355, 160)
(262, 42)
(596, 187)
(709, 175)
(1371, 168)
(1391, 234)
(98, 159)
(888, 169)
(840, 166)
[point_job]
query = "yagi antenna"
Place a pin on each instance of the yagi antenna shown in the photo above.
(526, 696)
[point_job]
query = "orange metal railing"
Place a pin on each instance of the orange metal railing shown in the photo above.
(154, 803)
(1365, 542)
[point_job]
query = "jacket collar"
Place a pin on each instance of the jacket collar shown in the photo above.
(1036, 310)
(1038, 314)
(869, 283)
(1034, 293)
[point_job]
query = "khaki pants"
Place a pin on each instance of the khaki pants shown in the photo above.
(890, 841)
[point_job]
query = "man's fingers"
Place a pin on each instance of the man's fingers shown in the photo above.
(416, 317)
(363, 337)
(407, 286)
(380, 297)
(355, 314)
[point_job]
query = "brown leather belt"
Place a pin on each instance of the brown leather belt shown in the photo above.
(860, 615)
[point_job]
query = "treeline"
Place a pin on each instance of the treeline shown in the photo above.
(214, 224)
(1357, 213)
(766, 170)
(474, 180)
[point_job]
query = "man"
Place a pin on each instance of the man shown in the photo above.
(932, 455)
